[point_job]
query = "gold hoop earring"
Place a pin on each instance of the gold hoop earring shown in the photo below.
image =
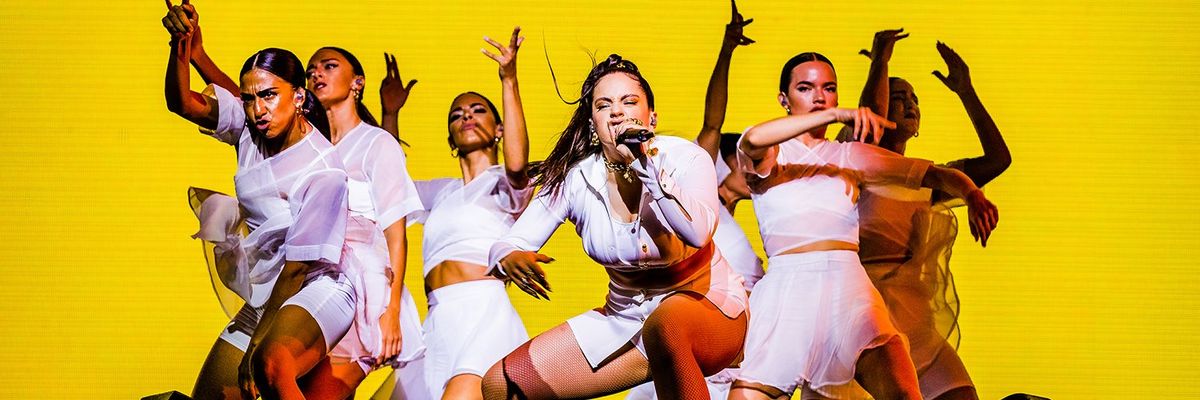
(453, 152)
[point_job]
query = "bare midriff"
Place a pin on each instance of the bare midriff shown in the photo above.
(451, 272)
(824, 245)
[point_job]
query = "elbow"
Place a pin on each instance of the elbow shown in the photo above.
(1003, 162)
(751, 140)
(175, 105)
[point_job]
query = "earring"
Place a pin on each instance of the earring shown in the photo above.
(595, 137)
(915, 134)
(453, 152)
(787, 109)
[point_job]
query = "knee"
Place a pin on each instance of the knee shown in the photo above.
(272, 365)
(663, 338)
(495, 385)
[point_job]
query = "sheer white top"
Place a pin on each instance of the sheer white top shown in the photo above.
(805, 195)
(295, 202)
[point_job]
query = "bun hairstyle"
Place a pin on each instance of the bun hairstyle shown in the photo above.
(285, 65)
(785, 76)
(363, 112)
(575, 142)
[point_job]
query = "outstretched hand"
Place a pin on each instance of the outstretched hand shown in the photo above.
(868, 126)
(884, 43)
(521, 268)
(982, 215)
(734, 29)
(959, 77)
(508, 54)
(393, 92)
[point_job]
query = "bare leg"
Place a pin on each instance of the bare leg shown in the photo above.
(465, 387)
(293, 345)
(551, 365)
(688, 338)
(332, 380)
(218, 376)
(962, 393)
(742, 390)
(887, 372)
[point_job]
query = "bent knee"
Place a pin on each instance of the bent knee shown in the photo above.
(494, 384)
(272, 365)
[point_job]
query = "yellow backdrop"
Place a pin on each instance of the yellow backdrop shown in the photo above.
(1088, 289)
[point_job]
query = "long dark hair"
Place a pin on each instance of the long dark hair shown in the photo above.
(287, 66)
(575, 142)
(785, 76)
(363, 112)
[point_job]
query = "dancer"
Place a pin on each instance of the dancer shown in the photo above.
(379, 202)
(729, 236)
(293, 189)
(906, 235)
(816, 293)
(471, 322)
(387, 328)
(646, 211)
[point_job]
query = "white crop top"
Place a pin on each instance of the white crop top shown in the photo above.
(463, 221)
(805, 195)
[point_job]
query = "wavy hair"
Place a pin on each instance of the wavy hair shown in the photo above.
(575, 142)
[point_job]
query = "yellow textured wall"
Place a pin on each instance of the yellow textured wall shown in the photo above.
(1088, 289)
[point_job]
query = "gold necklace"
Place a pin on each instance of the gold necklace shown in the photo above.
(619, 169)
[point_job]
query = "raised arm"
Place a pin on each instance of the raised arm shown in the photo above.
(183, 21)
(717, 97)
(393, 93)
(181, 100)
(995, 158)
(875, 94)
(760, 139)
(516, 137)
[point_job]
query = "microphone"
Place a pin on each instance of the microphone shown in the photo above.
(634, 136)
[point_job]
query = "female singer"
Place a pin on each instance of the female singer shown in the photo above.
(646, 208)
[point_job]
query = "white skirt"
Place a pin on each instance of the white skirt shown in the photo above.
(602, 332)
(910, 300)
(470, 327)
(813, 315)
(327, 296)
(365, 262)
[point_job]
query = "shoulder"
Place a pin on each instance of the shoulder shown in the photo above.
(678, 148)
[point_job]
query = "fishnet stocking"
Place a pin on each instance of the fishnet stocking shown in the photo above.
(687, 338)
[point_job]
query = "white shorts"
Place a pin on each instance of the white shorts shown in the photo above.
(328, 297)
(813, 315)
(470, 327)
